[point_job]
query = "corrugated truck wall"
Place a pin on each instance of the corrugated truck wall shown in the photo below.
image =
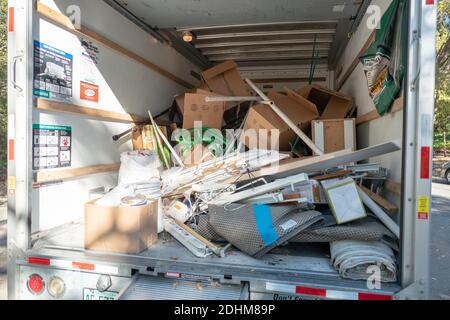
(371, 129)
(127, 72)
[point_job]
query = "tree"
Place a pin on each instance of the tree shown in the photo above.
(442, 120)
(3, 87)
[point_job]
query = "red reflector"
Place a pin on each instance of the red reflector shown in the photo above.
(83, 266)
(425, 163)
(311, 291)
(35, 284)
(372, 296)
(429, 2)
(11, 20)
(11, 151)
(39, 261)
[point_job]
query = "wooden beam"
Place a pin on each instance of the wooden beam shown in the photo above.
(65, 22)
(373, 115)
(287, 80)
(398, 105)
(383, 203)
(367, 117)
(393, 187)
(65, 174)
(332, 175)
(356, 61)
(54, 106)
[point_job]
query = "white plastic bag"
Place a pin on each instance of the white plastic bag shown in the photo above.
(138, 166)
(115, 196)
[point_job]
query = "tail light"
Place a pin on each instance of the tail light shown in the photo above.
(36, 284)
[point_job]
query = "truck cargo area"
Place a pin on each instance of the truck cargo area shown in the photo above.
(91, 70)
(307, 263)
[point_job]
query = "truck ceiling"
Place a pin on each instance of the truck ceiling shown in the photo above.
(251, 32)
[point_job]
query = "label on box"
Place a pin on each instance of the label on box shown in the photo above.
(52, 146)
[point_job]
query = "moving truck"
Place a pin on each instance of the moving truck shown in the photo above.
(120, 59)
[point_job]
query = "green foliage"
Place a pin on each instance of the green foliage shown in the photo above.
(442, 120)
(3, 86)
(439, 141)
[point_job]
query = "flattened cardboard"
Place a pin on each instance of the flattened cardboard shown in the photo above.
(297, 108)
(224, 79)
(330, 104)
(261, 117)
(128, 230)
(197, 109)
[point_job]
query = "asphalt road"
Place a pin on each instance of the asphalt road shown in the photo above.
(439, 249)
(440, 242)
(2, 248)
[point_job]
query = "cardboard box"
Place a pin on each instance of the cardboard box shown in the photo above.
(334, 135)
(261, 116)
(180, 100)
(226, 80)
(329, 103)
(210, 113)
(195, 108)
(144, 138)
(128, 230)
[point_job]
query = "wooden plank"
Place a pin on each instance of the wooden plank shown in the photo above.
(54, 106)
(356, 61)
(65, 174)
(393, 187)
(332, 175)
(373, 115)
(288, 80)
(398, 105)
(383, 203)
(66, 23)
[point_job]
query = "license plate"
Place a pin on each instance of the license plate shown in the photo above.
(93, 294)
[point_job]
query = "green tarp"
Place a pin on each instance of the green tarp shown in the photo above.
(385, 60)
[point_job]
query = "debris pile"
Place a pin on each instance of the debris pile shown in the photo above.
(251, 171)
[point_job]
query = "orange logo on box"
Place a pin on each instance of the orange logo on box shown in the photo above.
(89, 92)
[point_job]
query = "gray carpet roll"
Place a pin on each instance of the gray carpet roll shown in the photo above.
(256, 229)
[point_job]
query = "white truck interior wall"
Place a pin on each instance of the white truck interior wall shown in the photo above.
(387, 128)
(125, 86)
(282, 72)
